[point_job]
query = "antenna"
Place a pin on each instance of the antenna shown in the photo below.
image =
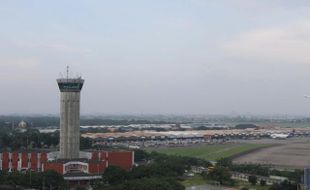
(67, 71)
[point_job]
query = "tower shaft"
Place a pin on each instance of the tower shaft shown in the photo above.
(70, 117)
(70, 124)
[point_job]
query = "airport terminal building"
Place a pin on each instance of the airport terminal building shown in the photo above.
(92, 163)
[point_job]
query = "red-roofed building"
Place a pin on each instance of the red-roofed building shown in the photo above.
(124, 160)
(42, 161)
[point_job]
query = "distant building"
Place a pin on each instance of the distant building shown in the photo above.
(22, 125)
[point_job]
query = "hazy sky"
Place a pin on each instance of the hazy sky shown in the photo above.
(163, 56)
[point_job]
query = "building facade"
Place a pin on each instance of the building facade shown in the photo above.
(43, 161)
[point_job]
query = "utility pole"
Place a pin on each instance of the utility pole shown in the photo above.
(43, 183)
(30, 178)
(27, 144)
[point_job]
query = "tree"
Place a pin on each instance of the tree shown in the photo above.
(141, 155)
(254, 169)
(149, 184)
(275, 186)
(252, 179)
(225, 162)
(6, 140)
(291, 175)
(220, 174)
(85, 143)
(80, 188)
(14, 178)
(114, 175)
(54, 180)
(262, 182)
(141, 172)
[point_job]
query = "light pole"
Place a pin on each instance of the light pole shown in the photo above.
(30, 177)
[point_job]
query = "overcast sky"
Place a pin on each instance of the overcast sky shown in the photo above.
(163, 56)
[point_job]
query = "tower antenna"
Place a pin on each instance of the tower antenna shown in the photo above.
(67, 71)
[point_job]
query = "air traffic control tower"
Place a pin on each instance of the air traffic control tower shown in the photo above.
(70, 89)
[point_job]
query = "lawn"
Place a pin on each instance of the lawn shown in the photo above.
(241, 184)
(209, 152)
(196, 180)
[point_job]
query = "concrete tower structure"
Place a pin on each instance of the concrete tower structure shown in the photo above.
(77, 167)
(70, 89)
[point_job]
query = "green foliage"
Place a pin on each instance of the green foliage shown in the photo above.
(114, 175)
(225, 162)
(33, 179)
(162, 166)
(16, 140)
(6, 140)
(285, 185)
(80, 188)
(195, 180)
(141, 155)
(53, 179)
(252, 179)
(291, 175)
(161, 172)
(255, 169)
(33, 138)
(149, 184)
(210, 152)
(220, 174)
(262, 182)
(85, 143)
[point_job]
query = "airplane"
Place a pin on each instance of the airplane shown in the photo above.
(279, 136)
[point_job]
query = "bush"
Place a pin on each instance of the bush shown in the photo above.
(252, 179)
(221, 174)
(262, 182)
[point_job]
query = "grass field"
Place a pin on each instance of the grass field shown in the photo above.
(241, 184)
(198, 180)
(210, 152)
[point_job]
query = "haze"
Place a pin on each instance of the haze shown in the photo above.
(157, 57)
